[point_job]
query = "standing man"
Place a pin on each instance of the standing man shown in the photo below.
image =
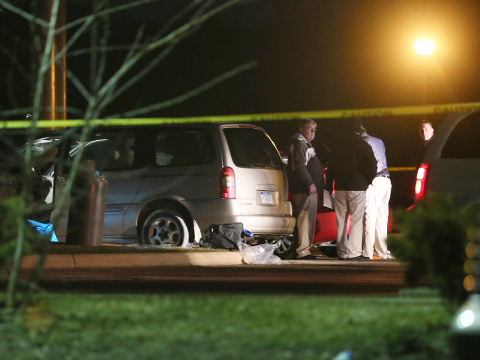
(305, 180)
(426, 131)
(377, 198)
(352, 168)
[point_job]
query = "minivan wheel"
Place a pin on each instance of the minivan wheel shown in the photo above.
(285, 247)
(166, 228)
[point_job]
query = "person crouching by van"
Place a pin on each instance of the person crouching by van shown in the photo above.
(305, 180)
(352, 168)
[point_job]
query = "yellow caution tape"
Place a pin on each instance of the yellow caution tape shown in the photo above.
(327, 114)
(335, 114)
(405, 168)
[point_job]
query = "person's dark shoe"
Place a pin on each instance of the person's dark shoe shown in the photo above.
(360, 258)
(356, 258)
(308, 257)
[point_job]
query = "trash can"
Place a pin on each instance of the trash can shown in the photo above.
(87, 206)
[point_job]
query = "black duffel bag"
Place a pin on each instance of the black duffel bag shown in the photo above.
(224, 236)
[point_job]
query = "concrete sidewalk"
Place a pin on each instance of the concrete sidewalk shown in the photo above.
(63, 256)
(170, 259)
(120, 269)
(164, 272)
(147, 259)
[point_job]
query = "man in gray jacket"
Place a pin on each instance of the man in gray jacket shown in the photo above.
(305, 180)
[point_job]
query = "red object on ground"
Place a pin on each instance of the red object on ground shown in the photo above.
(326, 226)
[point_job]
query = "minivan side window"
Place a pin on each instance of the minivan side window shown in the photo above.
(464, 141)
(252, 148)
(111, 150)
(183, 147)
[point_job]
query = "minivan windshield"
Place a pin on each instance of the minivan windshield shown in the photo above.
(252, 148)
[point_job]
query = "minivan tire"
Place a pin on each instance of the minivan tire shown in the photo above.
(164, 227)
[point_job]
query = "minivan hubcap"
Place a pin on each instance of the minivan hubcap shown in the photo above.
(164, 232)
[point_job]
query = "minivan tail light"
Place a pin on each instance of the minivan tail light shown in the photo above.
(421, 182)
(227, 183)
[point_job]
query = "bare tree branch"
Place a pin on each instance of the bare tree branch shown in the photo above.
(156, 61)
(101, 92)
(97, 66)
(27, 181)
(171, 37)
(24, 14)
(195, 92)
(105, 12)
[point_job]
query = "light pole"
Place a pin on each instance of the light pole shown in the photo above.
(424, 48)
(54, 98)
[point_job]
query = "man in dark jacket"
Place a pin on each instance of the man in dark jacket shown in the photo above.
(351, 169)
(305, 180)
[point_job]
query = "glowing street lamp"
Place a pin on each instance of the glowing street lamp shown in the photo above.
(424, 47)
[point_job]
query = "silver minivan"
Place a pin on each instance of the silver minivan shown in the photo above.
(168, 183)
(451, 163)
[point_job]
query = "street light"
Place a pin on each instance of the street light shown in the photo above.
(424, 47)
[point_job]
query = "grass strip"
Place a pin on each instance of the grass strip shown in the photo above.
(228, 326)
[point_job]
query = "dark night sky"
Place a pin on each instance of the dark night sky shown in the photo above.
(315, 55)
(311, 55)
(320, 55)
(323, 55)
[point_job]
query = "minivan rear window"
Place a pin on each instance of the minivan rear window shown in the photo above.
(252, 148)
(464, 141)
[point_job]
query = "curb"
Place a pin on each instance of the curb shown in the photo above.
(172, 259)
(98, 261)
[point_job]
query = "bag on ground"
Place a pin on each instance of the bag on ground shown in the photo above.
(44, 229)
(224, 236)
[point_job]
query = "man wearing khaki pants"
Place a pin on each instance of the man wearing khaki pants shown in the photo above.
(352, 168)
(305, 180)
(376, 211)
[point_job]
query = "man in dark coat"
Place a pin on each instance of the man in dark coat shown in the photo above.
(351, 170)
(305, 180)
